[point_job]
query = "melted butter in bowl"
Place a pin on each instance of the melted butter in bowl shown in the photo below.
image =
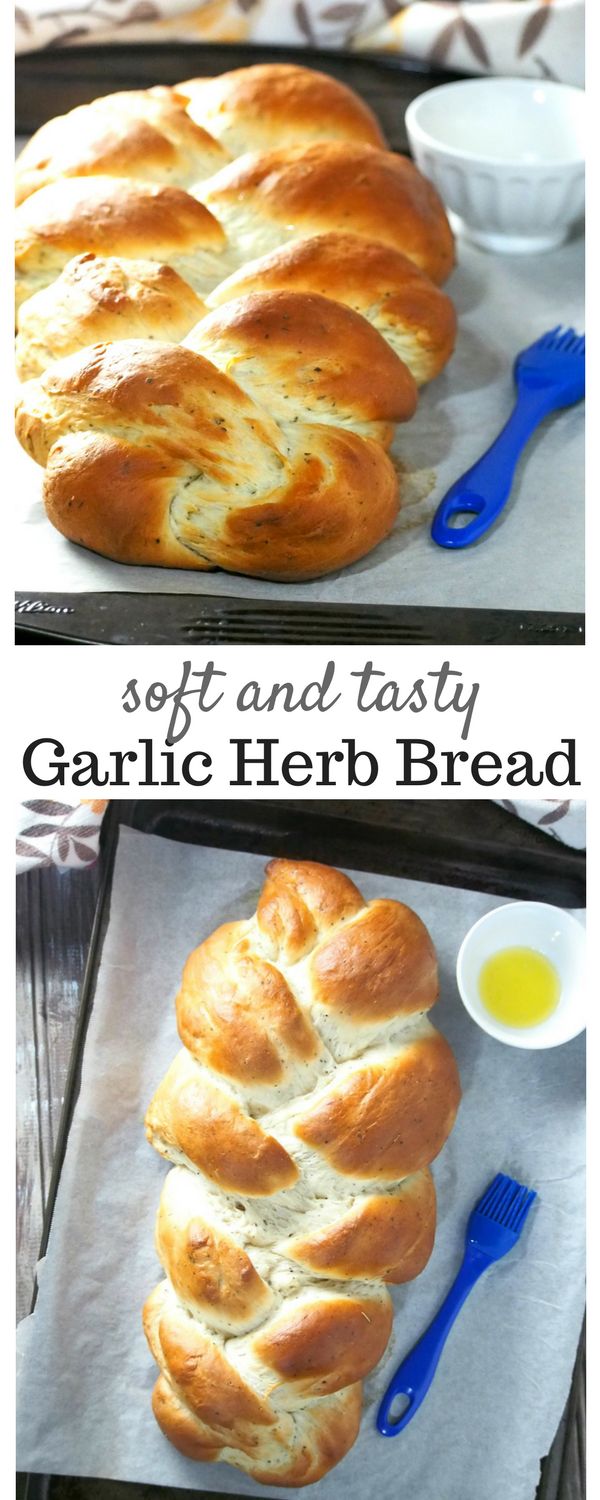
(519, 986)
(520, 974)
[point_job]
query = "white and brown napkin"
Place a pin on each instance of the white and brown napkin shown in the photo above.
(537, 38)
(564, 821)
(65, 834)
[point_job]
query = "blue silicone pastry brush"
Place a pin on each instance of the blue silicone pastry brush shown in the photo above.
(549, 375)
(493, 1228)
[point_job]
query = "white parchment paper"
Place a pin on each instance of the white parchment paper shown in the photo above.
(85, 1373)
(533, 558)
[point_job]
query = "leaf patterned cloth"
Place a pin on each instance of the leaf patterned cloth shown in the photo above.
(66, 834)
(537, 38)
(564, 821)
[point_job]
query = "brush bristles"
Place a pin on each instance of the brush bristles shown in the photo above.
(507, 1202)
(563, 340)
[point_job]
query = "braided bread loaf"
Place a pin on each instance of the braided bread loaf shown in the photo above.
(251, 207)
(185, 134)
(117, 262)
(153, 456)
(301, 1116)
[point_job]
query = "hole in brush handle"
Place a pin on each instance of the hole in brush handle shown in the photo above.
(395, 1412)
(398, 1406)
(457, 519)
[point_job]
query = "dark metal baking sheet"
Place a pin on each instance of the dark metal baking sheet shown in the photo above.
(186, 619)
(455, 843)
(54, 80)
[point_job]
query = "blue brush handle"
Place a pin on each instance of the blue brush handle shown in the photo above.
(485, 488)
(414, 1376)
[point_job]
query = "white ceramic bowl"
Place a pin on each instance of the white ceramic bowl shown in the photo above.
(528, 924)
(507, 157)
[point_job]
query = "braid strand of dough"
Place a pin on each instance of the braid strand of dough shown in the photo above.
(256, 220)
(300, 1117)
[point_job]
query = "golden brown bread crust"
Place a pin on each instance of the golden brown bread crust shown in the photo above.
(311, 1187)
(209, 1383)
(105, 494)
(278, 104)
(322, 1346)
(99, 299)
(341, 501)
(336, 335)
(311, 1444)
(318, 1345)
(145, 135)
(274, 196)
(237, 1014)
(179, 394)
(211, 1272)
(141, 439)
(382, 964)
(378, 963)
(324, 1432)
(208, 1269)
(182, 1429)
(190, 1114)
(415, 317)
(184, 134)
(301, 901)
(389, 1235)
(376, 1236)
(308, 359)
(108, 216)
(390, 1118)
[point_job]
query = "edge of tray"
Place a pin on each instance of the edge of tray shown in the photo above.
(118, 619)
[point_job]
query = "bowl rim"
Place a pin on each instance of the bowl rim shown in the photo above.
(527, 1039)
(423, 137)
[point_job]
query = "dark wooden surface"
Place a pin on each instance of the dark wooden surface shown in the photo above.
(471, 843)
(55, 910)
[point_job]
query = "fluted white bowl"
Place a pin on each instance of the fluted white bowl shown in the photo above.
(507, 157)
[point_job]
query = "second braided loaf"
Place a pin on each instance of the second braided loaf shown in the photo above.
(301, 1117)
